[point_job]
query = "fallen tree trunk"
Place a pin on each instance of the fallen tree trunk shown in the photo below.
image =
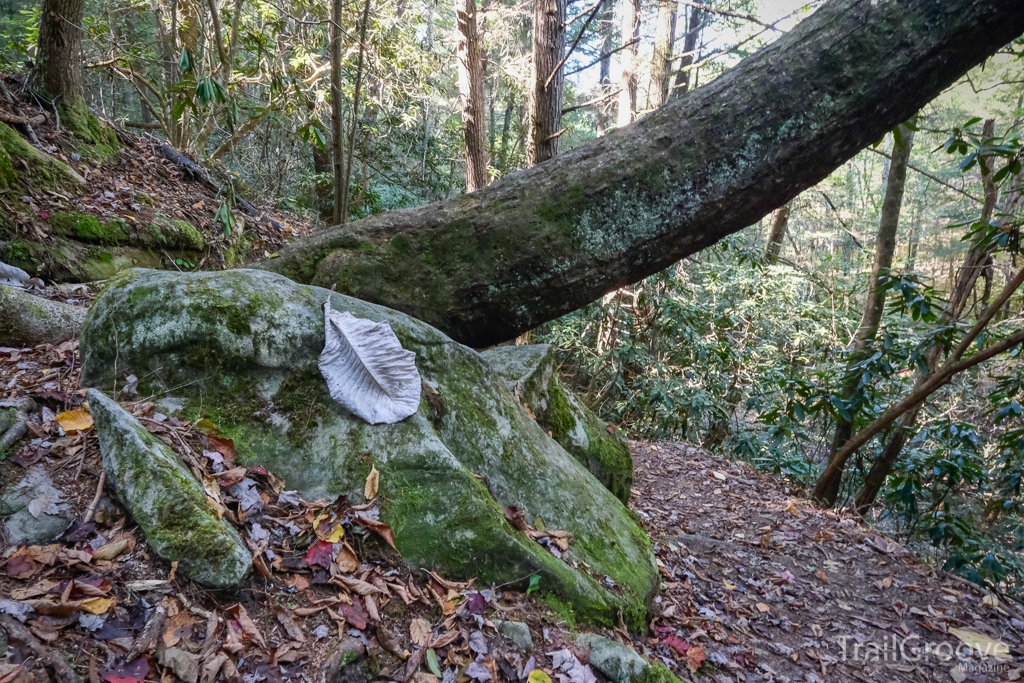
(545, 241)
(28, 320)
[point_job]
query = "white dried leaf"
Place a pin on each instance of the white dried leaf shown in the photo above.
(12, 276)
(367, 370)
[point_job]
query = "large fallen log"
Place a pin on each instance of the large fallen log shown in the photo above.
(540, 243)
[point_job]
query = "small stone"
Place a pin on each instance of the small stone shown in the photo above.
(345, 665)
(616, 661)
(517, 632)
(36, 508)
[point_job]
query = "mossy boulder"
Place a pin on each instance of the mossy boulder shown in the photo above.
(166, 499)
(88, 228)
(241, 347)
(529, 372)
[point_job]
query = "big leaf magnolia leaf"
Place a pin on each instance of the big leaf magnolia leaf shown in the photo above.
(367, 370)
(12, 276)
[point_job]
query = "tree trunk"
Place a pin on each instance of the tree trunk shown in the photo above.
(778, 233)
(546, 82)
(547, 240)
(471, 94)
(337, 118)
(57, 75)
(661, 64)
(885, 247)
(689, 56)
(607, 32)
(629, 26)
(974, 264)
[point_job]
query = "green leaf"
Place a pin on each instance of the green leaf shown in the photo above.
(534, 583)
(433, 664)
(185, 61)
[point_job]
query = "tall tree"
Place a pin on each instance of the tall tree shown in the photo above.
(337, 113)
(661, 63)
(607, 33)
(546, 80)
(57, 76)
(974, 265)
(827, 488)
(629, 27)
(547, 240)
(780, 223)
(689, 56)
(471, 93)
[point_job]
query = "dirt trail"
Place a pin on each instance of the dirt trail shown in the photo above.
(772, 588)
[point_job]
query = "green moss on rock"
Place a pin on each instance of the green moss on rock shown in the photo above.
(31, 168)
(241, 348)
(94, 139)
(166, 500)
(88, 228)
(529, 371)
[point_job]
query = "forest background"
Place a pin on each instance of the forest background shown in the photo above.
(774, 346)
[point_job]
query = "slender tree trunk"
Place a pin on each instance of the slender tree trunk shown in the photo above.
(973, 266)
(874, 307)
(607, 31)
(356, 122)
(629, 25)
(546, 82)
(547, 240)
(689, 56)
(780, 222)
(661, 63)
(57, 74)
(337, 115)
(471, 94)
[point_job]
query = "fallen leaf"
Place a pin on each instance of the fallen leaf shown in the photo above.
(354, 615)
(763, 607)
(346, 559)
(132, 672)
(288, 622)
(74, 421)
(378, 527)
(248, 627)
(821, 575)
(419, 631)
(372, 482)
(110, 550)
(982, 643)
(538, 676)
(694, 658)
(97, 605)
(327, 527)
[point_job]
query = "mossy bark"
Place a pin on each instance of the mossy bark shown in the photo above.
(540, 243)
(529, 373)
(240, 347)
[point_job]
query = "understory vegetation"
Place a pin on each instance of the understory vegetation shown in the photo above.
(748, 353)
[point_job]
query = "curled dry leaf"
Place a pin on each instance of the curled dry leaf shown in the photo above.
(249, 630)
(378, 527)
(372, 483)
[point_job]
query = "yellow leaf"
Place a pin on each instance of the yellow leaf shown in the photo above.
(372, 482)
(982, 643)
(110, 550)
(729, 586)
(74, 421)
(332, 532)
(206, 427)
(538, 676)
(97, 605)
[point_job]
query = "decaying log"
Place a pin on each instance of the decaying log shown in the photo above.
(27, 320)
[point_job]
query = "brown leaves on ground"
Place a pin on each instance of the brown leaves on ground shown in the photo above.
(771, 587)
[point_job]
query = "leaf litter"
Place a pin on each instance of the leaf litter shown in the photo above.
(729, 543)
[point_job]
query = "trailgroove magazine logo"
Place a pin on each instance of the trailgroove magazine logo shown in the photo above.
(975, 652)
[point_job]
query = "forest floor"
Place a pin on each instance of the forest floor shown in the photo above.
(758, 585)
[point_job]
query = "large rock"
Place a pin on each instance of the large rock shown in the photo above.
(166, 500)
(529, 372)
(240, 348)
